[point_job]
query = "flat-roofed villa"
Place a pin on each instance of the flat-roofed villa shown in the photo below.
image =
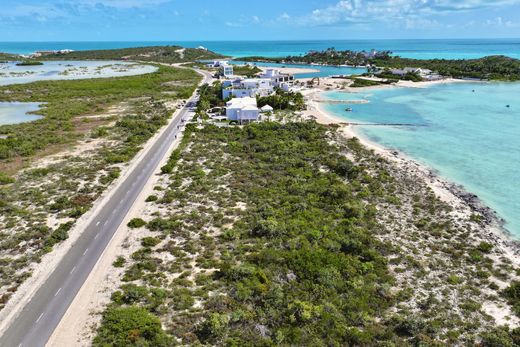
(247, 87)
(242, 110)
(279, 80)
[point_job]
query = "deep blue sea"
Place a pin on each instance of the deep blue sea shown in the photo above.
(422, 49)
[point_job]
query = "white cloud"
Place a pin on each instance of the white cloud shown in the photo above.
(364, 11)
(243, 21)
(500, 22)
(44, 11)
(121, 4)
(41, 12)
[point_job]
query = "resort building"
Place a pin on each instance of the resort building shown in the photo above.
(242, 110)
(278, 79)
(226, 70)
(418, 71)
(425, 74)
(217, 63)
(247, 87)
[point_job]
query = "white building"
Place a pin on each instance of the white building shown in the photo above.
(278, 79)
(217, 63)
(226, 70)
(247, 87)
(242, 110)
(418, 71)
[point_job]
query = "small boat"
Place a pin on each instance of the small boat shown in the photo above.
(508, 106)
(348, 109)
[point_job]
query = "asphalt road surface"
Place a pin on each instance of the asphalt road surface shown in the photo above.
(40, 317)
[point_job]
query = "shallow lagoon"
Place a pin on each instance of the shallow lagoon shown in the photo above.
(18, 112)
(323, 71)
(10, 73)
(471, 138)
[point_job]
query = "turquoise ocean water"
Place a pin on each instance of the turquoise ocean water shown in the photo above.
(322, 71)
(422, 49)
(470, 138)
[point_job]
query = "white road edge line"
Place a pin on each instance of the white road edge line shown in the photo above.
(97, 223)
(71, 271)
(40, 317)
(85, 251)
(95, 237)
(59, 290)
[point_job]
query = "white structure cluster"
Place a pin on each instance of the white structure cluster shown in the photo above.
(263, 85)
(246, 87)
(43, 53)
(242, 107)
(224, 67)
(423, 73)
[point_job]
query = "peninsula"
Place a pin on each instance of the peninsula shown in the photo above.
(207, 203)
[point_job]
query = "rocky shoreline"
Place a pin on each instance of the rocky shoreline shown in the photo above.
(492, 226)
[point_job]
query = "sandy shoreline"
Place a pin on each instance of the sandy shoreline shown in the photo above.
(455, 195)
(290, 70)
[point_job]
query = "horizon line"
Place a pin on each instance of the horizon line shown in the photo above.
(270, 40)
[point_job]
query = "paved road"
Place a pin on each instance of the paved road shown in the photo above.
(36, 323)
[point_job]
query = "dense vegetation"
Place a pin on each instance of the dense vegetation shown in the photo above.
(267, 235)
(158, 54)
(282, 100)
(29, 63)
(131, 326)
(361, 82)
(109, 120)
(65, 100)
(329, 56)
(4, 57)
(299, 266)
(210, 96)
(489, 68)
(409, 76)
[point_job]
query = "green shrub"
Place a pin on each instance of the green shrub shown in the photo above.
(152, 198)
(60, 234)
(213, 328)
(119, 262)
(136, 223)
(6, 179)
(130, 326)
(150, 241)
(512, 294)
(485, 247)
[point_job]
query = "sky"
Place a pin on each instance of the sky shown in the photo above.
(210, 20)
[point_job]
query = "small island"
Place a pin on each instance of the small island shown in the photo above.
(29, 63)
(390, 66)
